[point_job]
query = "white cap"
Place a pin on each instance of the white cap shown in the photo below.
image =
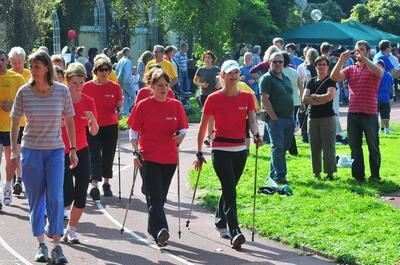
(229, 65)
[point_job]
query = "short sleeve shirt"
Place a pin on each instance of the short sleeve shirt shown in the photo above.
(323, 110)
(43, 116)
(209, 76)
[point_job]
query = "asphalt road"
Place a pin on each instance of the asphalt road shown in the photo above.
(100, 227)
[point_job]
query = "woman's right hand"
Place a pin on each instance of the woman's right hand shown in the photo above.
(205, 85)
(199, 161)
(137, 159)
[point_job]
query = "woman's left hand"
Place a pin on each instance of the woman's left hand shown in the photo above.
(73, 159)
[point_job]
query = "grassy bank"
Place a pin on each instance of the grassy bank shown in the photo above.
(341, 218)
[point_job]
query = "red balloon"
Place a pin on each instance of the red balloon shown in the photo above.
(71, 34)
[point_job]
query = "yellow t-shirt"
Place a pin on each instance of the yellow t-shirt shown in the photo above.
(25, 73)
(112, 76)
(10, 82)
(166, 66)
(242, 86)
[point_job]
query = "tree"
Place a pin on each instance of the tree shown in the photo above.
(27, 22)
(253, 14)
(382, 14)
(282, 12)
(346, 5)
(330, 11)
(205, 23)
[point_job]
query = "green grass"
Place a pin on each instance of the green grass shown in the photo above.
(122, 123)
(346, 220)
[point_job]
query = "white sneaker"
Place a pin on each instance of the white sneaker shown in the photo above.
(7, 193)
(66, 214)
(70, 236)
(224, 233)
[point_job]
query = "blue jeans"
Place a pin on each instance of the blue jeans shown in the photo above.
(357, 124)
(129, 99)
(281, 135)
(43, 177)
(184, 81)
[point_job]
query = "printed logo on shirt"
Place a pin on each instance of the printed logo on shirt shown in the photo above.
(242, 108)
(109, 95)
(170, 118)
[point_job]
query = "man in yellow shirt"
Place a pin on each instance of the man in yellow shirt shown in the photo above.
(10, 82)
(17, 58)
(166, 66)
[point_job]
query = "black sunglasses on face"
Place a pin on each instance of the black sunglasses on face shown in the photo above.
(276, 62)
(103, 69)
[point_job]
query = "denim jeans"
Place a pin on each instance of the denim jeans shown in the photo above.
(357, 124)
(129, 99)
(281, 134)
(184, 82)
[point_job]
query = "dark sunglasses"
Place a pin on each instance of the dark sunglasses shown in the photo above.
(276, 62)
(101, 69)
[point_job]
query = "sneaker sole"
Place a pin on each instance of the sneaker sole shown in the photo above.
(74, 241)
(162, 238)
(238, 242)
(59, 261)
(42, 259)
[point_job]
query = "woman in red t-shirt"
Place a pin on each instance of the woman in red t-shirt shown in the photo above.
(229, 108)
(108, 99)
(85, 117)
(159, 125)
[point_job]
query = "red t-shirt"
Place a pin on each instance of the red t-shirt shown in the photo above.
(229, 114)
(81, 122)
(146, 92)
(363, 88)
(106, 97)
(157, 122)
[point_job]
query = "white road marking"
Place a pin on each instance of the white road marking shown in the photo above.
(133, 234)
(13, 252)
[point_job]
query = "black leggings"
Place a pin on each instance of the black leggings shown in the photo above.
(229, 167)
(77, 193)
(156, 180)
(102, 151)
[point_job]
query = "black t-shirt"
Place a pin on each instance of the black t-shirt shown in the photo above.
(324, 110)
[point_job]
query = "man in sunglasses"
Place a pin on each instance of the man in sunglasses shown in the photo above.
(277, 100)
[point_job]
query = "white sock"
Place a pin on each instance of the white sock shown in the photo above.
(7, 184)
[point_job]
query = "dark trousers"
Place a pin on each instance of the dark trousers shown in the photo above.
(293, 147)
(357, 124)
(229, 167)
(102, 151)
(156, 180)
(77, 193)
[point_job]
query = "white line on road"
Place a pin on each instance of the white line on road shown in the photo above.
(133, 234)
(13, 252)
(139, 238)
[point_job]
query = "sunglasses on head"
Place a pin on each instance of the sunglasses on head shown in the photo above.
(103, 69)
(276, 62)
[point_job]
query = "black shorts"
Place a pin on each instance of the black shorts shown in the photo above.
(5, 138)
(203, 100)
(384, 110)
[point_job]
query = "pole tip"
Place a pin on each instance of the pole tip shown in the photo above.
(122, 231)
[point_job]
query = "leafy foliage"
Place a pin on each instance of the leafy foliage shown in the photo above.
(382, 14)
(253, 14)
(28, 23)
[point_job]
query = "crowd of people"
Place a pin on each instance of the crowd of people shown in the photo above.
(59, 123)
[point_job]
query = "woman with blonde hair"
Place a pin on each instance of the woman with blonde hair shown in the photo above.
(85, 118)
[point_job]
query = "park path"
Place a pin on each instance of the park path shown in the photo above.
(102, 242)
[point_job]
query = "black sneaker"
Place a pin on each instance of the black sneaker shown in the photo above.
(17, 188)
(374, 179)
(329, 177)
(95, 193)
(162, 238)
(237, 241)
(107, 190)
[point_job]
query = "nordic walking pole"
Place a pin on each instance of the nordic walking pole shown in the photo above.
(194, 195)
(254, 196)
(179, 196)
(135, 172)
(119, 166)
